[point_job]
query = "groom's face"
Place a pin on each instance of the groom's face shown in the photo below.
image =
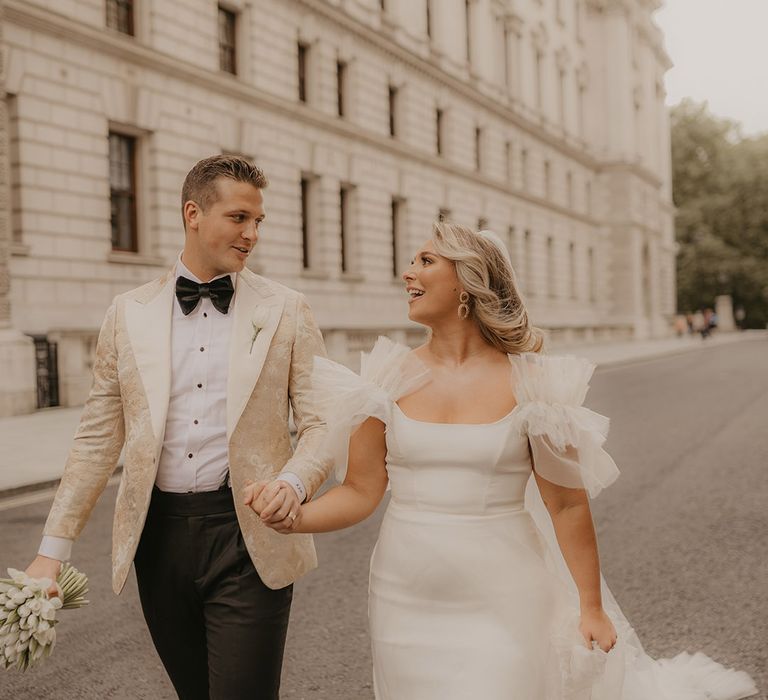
(221, 237)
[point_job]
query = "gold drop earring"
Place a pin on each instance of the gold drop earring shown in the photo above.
(464, 306)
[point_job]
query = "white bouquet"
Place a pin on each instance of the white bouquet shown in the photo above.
(28, 615)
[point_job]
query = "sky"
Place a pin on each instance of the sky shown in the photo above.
(720, 53)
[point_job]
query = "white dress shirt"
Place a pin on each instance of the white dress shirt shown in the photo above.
(194, 456)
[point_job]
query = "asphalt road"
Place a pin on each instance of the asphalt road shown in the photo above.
(683, 539)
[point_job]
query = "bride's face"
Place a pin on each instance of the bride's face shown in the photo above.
(433, 287)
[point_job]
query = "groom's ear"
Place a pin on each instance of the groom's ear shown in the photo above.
(191, 214)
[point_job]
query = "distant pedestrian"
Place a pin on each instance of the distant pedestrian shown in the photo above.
(699, 324)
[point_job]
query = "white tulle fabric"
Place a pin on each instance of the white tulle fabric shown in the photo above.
(347, 399)
(566, 438)
(469, 593)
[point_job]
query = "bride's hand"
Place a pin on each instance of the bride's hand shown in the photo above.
(251, 493)
(596, 626)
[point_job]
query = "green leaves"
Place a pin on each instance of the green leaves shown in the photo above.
(720, 183)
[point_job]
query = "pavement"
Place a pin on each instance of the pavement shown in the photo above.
(35, 446)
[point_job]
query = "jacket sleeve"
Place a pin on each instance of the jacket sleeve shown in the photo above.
(97, 444)
(308, 462)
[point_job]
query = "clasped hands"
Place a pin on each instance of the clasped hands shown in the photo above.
(275, 502)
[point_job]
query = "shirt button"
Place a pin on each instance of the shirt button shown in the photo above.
(190, 455)
(199, 386)
(195, 421)
(201, 349)
(205, 314)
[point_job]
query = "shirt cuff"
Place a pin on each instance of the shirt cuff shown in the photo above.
(296, 483)
(56, 547)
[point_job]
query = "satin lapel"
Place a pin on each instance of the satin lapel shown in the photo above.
(255, 307)
(148, 322)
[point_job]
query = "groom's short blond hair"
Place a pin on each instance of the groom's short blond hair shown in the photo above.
(200, 183)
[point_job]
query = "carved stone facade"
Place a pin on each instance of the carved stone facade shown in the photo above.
(543, 120)
(17, 355)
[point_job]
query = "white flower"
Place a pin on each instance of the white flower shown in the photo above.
(28, 616)
(258, 321)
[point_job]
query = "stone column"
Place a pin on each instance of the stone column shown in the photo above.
(724, 311)
(17, 351)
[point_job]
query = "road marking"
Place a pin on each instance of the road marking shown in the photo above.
(28, 499)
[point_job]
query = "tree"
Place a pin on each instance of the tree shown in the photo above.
(720, 189)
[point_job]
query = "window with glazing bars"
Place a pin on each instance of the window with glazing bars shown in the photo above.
(227, 41)
(122, 192)
(120, 15)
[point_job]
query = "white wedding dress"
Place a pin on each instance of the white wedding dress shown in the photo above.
(469, 594)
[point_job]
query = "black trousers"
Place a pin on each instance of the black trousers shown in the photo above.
(219, 631)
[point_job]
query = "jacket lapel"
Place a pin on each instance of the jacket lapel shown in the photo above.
(148, 323)
(257, 313)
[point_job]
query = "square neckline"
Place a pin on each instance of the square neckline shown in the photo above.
(496, 422)
(427, 422)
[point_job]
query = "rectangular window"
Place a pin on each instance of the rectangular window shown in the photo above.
(306, 258)
(122, 192)
(572, 269)
(444, 214)
(547, 179)
(588, 197)
(524, 168)
(528, 263)
(591, 276)
(579, 21)
(227, 41)
(482, 224)
(468, 26)
(508, 161)
(539, 78)
(551, 286)
(439, 123)
(120, 16)
(303, 57)
(397, 233)
(341, 88)
(15, 167)
(478, 148)
(344, 197)
(561, 86)
(393, 125)
(506, 57)
(429, 19)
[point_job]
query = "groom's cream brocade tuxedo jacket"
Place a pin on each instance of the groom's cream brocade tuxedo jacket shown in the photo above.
(129, 402)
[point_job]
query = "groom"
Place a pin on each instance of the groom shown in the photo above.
(194, 374)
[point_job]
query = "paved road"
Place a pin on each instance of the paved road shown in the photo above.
(682, 535)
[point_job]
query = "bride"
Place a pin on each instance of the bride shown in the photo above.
(485, 580)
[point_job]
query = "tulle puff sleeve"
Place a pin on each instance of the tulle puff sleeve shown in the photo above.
(346, 399)
(566, 438)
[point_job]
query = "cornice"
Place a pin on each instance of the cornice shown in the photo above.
(633, 169)
(444, 79)
(128, 49)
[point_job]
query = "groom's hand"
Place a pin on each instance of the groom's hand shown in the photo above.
(280, 506)
(252, 493)
(45, 567)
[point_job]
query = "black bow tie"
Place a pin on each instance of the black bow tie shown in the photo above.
(219, 291)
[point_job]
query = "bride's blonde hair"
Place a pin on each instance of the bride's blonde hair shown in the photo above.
(485, 271)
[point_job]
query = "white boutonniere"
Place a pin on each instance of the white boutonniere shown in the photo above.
(257, 323)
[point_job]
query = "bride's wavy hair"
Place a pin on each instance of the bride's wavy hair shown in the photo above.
(486, 273)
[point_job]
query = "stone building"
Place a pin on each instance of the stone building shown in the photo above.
(543, 120)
